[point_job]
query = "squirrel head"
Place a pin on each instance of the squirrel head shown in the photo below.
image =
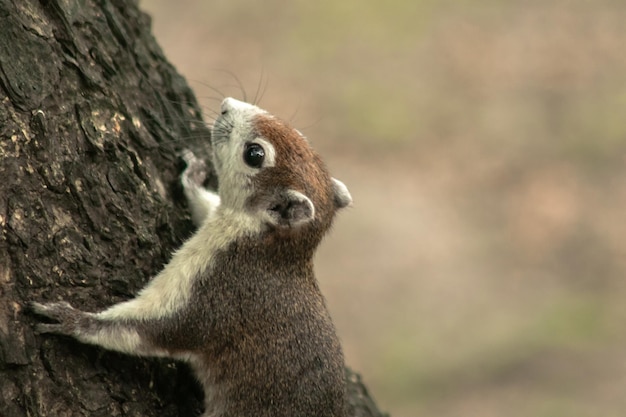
(268, 170)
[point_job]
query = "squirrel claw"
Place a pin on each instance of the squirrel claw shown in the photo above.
(188, 156)
(196, 171)
(56, 311)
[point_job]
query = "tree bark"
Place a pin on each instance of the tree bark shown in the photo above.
(92, 117)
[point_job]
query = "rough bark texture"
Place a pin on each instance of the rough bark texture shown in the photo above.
(91, 119)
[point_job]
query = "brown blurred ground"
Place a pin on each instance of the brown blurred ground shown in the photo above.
(482, 269)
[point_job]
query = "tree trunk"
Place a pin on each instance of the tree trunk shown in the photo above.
(91, 119)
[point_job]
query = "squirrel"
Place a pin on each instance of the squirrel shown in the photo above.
(239, 301)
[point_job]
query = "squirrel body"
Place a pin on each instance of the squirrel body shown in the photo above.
(239, 300)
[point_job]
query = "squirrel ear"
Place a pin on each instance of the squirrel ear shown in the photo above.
(342, 195)
(291, 209)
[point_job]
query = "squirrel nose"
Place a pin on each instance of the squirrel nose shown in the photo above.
(229, 104)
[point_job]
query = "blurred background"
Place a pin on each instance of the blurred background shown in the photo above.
(482, 269)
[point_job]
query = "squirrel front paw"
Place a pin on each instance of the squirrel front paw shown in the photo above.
(202, 202)
(62, 312)
(196, 171)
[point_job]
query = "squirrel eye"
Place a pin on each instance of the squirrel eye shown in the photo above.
(253, 155)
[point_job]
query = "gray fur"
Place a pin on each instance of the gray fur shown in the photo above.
(239, 301)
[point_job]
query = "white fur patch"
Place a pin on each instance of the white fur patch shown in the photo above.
(170, 290)
(270, 154)
(232, 131)
(202, 203)
(230, 103)
(127, 340)
(116, 338)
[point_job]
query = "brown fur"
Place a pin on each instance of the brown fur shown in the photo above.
(274, 350)
(255, 327)
(300, 168)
